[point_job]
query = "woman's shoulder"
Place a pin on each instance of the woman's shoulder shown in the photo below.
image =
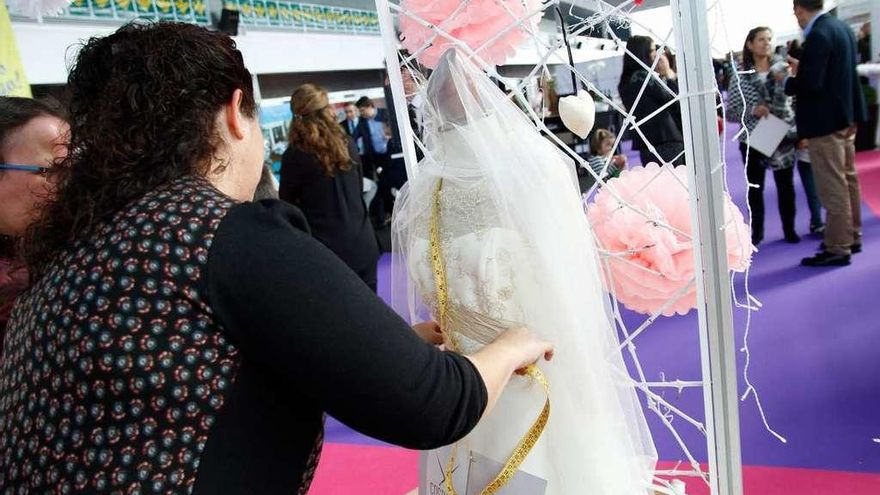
(265, 218)
(638, 77)
(180, 199)
(255, 233)
(632, 84)
(298, 163)
(294, 153)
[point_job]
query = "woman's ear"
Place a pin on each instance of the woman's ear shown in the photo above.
(236, 122)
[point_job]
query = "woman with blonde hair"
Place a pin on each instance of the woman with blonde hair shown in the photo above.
(322, 174)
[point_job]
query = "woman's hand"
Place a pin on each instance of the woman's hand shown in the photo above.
(522, 347)
(429, 331)
(793, 65)
(663, 67)
(761, 111)
(513, 350)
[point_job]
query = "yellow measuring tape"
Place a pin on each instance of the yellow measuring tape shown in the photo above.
(528, 441)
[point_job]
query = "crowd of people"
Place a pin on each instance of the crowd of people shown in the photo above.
(814, 89)
(162, 328)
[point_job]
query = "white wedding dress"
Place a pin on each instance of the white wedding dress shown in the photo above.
(517, 250)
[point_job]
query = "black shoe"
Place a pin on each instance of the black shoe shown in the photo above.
(853, 248)
(792, 238)
(756, 240)
(826, 259)
(817, 229)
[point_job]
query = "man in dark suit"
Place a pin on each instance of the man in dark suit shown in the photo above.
(395, 174)
(351, 126)
(830, 104)
(352, 118)
(372, 132)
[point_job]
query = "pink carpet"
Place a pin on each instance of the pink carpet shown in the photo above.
(365, 470)
(369, 470)
(868, 167)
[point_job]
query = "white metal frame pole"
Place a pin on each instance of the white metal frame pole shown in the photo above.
(392, 63)
(705, 176)
(407, 136)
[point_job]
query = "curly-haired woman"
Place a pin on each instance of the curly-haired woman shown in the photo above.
(321, 173)
(178, 338)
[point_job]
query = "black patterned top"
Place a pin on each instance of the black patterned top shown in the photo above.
(193, 345)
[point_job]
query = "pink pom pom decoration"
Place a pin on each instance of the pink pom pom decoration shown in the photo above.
(650, 263)
(476, 23)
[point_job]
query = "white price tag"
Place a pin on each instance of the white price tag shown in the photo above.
(471, 473)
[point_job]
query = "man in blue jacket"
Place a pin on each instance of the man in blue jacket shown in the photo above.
(829, 106)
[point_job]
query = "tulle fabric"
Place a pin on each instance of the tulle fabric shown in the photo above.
(519, 251)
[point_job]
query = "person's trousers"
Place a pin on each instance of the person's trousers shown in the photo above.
(756, 171)
(379, 207)
(808, 180)
(833, 158)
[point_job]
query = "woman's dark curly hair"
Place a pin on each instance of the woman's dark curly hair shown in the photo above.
(143, 106)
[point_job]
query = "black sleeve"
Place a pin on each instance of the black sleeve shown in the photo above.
(657, 92)
(810, 78)
(290, 185)
(295, 309)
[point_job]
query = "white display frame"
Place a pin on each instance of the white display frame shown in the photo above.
(706, 182)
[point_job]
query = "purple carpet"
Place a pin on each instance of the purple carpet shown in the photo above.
(815, 353)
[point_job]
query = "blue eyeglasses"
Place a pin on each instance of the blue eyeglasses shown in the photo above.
(36, 169)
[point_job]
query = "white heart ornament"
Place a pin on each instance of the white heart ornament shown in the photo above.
(578, 113)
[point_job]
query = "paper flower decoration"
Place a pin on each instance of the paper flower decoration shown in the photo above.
(475, 23)
(649, 262)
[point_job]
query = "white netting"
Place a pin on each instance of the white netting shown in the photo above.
(447, 29)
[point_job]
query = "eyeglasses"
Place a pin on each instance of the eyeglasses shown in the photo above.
(36, 169)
